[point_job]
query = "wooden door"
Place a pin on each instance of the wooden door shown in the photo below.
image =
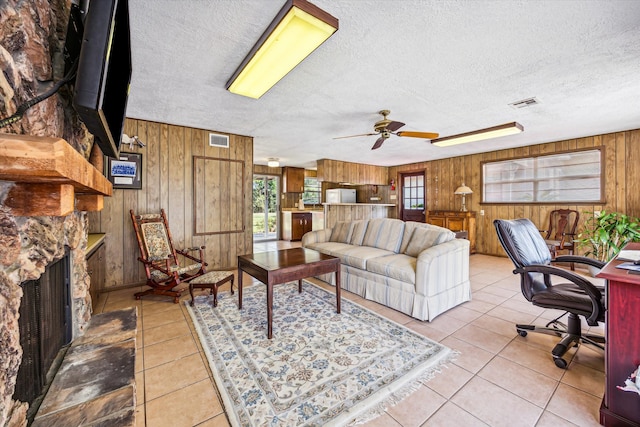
(308, 223)
(292, 180)
(297, 226)
(412, 190)
(301, 223)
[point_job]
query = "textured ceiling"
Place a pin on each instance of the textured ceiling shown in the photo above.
(439, 66)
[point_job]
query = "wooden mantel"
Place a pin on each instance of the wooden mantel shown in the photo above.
(52, 178)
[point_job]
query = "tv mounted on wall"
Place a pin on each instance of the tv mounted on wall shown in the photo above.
(102, 80)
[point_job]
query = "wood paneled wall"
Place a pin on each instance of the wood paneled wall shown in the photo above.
(167, 183)
(355, 173)
(621, 170)
(336, 213)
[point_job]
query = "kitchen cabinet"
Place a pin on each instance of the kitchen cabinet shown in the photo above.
(455, 221)
(96, 268)
(296, 224)
(354, 173)
(292, 180)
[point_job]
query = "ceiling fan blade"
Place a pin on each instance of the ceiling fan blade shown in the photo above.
(354, 136)
(425, 135)
(378, 143)
(394, 126)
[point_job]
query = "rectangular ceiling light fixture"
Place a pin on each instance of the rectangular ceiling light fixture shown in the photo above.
(479, 135)
(298, 29)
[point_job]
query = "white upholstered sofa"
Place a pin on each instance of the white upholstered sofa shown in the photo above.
(416, 268)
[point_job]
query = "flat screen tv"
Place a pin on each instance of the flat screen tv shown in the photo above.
(101, 87)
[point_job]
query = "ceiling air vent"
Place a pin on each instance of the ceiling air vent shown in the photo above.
(217, 140)
(524, 103)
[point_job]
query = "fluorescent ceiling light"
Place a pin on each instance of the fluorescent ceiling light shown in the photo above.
(479, 135)
(297, 30)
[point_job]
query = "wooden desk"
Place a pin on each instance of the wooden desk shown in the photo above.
(276, 267)
(622, 350)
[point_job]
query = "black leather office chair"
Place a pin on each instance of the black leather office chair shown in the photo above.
(576, 296)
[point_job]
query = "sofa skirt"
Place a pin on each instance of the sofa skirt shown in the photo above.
(399, 295)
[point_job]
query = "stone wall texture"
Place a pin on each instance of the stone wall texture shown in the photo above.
(32, 34)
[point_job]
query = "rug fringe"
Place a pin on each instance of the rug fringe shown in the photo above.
(404, 392)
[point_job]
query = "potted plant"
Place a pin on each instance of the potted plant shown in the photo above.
(604, 235)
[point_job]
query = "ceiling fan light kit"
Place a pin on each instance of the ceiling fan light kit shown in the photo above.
(478, 135)
(296, 31)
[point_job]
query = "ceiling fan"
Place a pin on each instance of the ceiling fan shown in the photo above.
(385, 128)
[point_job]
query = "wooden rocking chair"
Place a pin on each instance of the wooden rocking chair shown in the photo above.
(160, 258)
(561, 232)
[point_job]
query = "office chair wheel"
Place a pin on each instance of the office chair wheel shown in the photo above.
(560, 362)
(522, 333)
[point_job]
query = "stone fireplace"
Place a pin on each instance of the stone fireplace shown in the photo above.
(32, 35)
(45, 328)
(31, 244)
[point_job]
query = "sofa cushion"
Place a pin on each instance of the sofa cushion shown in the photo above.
(409, 226)
(341, 232)
(358, 228)
(425, 237)
(408, 232)
(398, 266)
(330, 248)
(384, 233)
(357, 256)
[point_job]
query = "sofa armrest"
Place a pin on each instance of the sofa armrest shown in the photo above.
(442, 266)
(318, 236)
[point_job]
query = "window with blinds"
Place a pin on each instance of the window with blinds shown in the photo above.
(568, 177)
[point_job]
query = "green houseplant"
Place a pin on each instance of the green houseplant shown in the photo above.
(604, 235)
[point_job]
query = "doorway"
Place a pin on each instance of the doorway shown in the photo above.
(413, 196)
(266, 221)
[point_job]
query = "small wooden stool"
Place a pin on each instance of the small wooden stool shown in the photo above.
(211, 280)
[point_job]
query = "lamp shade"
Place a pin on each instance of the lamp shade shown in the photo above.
(479, 135)
(298, 29)
(463, 189)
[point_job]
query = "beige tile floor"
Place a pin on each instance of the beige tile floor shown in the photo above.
(499, 378)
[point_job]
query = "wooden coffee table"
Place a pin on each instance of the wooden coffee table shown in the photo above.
(275, 267)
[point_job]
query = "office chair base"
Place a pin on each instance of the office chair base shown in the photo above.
(523, 330)
(571, 337)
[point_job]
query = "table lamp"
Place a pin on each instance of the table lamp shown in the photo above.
(464, 190)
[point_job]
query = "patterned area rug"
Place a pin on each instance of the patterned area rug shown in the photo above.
(321, 368)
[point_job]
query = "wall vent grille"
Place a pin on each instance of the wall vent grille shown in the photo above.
(524, 103)
(217, 140)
